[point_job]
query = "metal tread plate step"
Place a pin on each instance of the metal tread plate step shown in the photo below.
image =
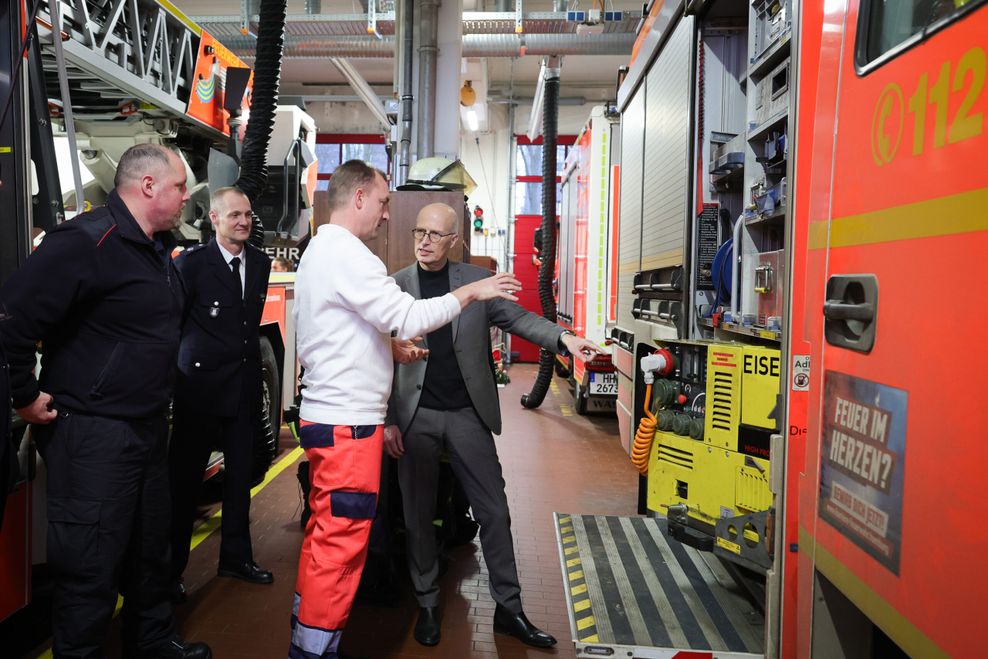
(632, 591)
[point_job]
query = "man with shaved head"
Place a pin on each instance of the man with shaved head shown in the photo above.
(448, 403)
(102, 296)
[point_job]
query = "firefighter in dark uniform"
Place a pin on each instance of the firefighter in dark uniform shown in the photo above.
(218, 391)
(102, 296)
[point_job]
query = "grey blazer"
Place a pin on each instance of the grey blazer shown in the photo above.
(471, 342)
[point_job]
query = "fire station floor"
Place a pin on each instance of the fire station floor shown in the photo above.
(553, 461)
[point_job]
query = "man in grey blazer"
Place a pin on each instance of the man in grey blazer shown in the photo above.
(448, 402)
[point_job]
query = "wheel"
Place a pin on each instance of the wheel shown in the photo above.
(580, 396)
(269, 414)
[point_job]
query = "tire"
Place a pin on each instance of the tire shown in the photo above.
(580, 398)
(269, 414)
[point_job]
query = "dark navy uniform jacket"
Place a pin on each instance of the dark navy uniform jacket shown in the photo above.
(220, 358)
(106, 302)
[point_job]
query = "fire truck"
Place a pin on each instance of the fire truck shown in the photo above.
(585, 295)
(80, 82)
(800, 237)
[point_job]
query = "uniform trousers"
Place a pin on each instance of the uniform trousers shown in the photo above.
(345, 474)
(108, 519)
(193, 438)
(473, 458)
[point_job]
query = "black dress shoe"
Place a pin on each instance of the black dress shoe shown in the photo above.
(427, 629)
(179, 594)
(517, 625)
(178, 649)
(248, 571)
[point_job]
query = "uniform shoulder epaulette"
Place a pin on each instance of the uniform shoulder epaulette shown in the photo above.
(95, 223)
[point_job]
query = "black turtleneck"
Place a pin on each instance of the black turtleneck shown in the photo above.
(444, 388)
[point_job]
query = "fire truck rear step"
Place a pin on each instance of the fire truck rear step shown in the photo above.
(633, 591)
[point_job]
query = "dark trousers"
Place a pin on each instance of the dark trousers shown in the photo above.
(193, 438)
(473, 457)
(108, 519)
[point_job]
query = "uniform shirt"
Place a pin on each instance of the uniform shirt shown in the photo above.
(107, 306)
(228, 256)
(346, 310)
(443, 388)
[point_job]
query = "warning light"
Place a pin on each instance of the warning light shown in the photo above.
(478, 219)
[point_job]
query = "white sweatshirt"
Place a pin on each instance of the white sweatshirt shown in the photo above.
(346, 308)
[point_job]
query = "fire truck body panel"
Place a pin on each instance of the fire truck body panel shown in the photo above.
(886, 510)
(585, 267)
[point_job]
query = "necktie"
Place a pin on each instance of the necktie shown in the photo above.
(235, 267)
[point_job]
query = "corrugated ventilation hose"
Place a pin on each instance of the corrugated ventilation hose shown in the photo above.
(547, 269)
(267, 76)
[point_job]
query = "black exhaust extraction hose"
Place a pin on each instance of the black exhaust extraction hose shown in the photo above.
(264, 101)
(547, 269)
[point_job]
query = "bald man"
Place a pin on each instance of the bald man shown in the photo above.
(102, 294)
(448, 403)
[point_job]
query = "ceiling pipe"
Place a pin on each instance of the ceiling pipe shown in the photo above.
(407, 98)
(474, 45)
(428, 55)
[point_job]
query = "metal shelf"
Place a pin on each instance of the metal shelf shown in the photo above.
(761, 129)
(771, 56)
(743, 330)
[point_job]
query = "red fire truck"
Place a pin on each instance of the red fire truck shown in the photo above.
(800, 241)
(165, 84)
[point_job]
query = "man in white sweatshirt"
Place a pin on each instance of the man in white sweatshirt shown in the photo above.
(346, 311)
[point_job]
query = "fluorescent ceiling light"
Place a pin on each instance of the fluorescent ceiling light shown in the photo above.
(535, 119)
(473, 123)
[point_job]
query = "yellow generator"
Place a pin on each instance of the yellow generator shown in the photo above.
(708, 469)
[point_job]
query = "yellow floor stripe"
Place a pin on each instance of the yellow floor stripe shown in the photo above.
(571, 550)
(566, 529)
(203, 530)
(593, 638)
(565, 410)
(578, 590)
(573, 561)
(582, 605)
(583, 623)
(577, 574)
(569, 539)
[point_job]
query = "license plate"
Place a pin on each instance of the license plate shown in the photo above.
(603, 384)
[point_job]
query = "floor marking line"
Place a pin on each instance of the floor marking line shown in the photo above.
(204, 530)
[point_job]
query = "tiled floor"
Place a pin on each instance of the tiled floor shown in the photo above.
(553, 461)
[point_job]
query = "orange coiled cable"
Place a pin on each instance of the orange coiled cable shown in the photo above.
(642, 447)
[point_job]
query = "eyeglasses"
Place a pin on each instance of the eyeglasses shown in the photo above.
(433, 236)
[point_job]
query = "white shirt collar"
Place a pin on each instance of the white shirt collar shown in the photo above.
(227, 256)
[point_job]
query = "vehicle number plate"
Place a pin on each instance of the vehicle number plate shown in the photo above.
(603, 384)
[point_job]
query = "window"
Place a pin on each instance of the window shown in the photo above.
(528, 173)
(887, 27)
(334, 149)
